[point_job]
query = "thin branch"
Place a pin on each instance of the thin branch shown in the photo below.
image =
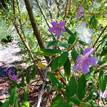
(57, 3)
(20, 21)
(48, 7)
(19, 33)
(42, 12)
(43, 86)
(34, 26)
(99, 36)
(44, 17)
(100, 42)
(33, 23)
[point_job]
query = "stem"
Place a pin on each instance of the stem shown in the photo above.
(42, 12)
(44, 17)
(33, 23)
(57, 3)
(19, 33)
(48, 7)
(24, 40)
(43, 86)
(34, 26)
(100, 43)
(99, 36)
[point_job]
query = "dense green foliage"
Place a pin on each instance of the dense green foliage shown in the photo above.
(57, 57)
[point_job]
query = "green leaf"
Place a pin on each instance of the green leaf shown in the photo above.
(6, 104)
(30, 73)
(26, 104)
(82, 43)
(63, 44)
(68, 31)
(67, 67)
(104, 49)
(74, 54)
(81, 87)
(93, 22)
(71, 88)
(59, 61)
(54, 81)
(13, 96)
(26, 94)
(50, 51)
(52, 43)
(72, 38)
(59, 102)
(75, 100)
(102, 81)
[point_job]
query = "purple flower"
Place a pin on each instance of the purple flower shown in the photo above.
(13, 77)
(80, 12)
(85, 60)
(11, 73)
(57, 28)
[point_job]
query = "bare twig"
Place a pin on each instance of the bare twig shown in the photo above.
(33, 23)
(19, 33)
(43, 86)
(48, 7)
(34, 26)
(42, 12)
(57, 3)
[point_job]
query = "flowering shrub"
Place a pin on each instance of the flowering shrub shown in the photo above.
(71, 60)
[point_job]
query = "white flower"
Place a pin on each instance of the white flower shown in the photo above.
(84, 33)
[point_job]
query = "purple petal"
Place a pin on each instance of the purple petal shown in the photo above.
(85, 68)
(58, 33)
(87, 50)
(51, 29)
(14, 77)
(78, 59)
(62, 23)
(77, 67)
(54, 23)
(92, 61)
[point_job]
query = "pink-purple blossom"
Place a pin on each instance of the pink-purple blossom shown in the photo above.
(57, 28)
(80, 12)
(85, 60)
